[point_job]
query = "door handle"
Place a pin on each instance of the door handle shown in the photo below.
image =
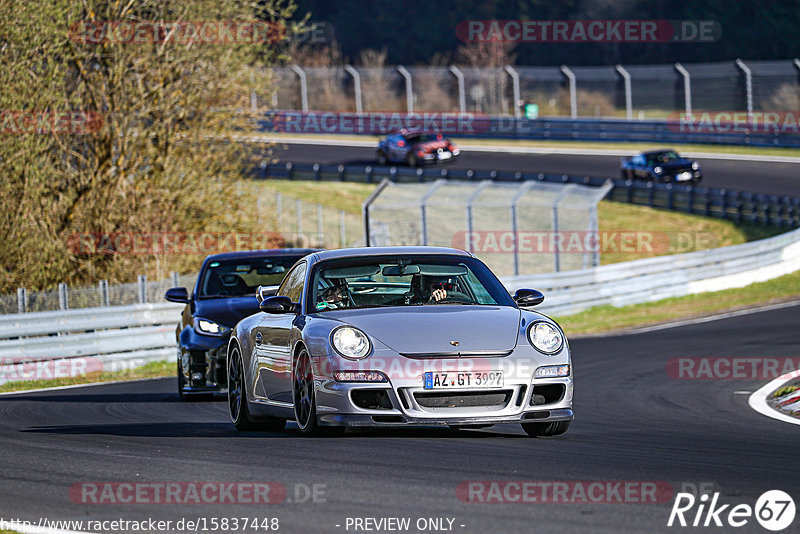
(258, 338)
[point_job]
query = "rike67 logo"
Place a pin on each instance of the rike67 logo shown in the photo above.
(774, 510)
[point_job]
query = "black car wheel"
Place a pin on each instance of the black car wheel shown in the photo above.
(537, 430)
(181, 383)
(237, 399)
(305, 405)
(381, 157)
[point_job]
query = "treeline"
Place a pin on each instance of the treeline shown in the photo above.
(414, 31)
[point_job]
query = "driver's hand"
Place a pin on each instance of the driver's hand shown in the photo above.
(438, 294)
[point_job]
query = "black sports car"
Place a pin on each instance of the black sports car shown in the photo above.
(415, 148)
(225, 293)
(660, 166)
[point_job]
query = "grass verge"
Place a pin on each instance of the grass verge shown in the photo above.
(608, 318)
(149, 370)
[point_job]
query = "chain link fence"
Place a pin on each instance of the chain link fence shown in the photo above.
(654, 91)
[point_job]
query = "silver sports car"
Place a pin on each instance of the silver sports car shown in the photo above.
(396, 337)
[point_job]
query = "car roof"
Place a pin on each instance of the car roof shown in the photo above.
(243, 254)
(387, 251)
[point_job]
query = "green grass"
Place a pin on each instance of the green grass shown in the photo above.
(785, 391)
(608, 318)
(149, 370)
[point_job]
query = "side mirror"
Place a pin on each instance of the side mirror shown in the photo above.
(262, 292)
(278, 305)
(528, 297)
(177, 294)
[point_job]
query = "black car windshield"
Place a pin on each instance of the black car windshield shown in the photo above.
(424, 138)
(662, 157)
(404, 281)
(241, 277)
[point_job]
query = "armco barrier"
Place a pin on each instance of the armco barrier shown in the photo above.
(44, 344)
(739, 206)
(557, 129)
(652, 279)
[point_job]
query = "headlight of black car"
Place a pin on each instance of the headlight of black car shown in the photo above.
(209, 328)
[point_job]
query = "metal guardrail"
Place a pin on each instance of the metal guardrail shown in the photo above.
(561, 129)
(64, 343)
(739, 206)
(663, 277)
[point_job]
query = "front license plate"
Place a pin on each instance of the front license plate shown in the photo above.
(445, 155)
(682, 177)
(467, 379)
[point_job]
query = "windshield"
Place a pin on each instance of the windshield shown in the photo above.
(662, 157)
(407, 281)
(241, 277)
(424, 138)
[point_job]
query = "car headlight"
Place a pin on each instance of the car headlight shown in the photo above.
(695, 165)
(658, 170)
(209, 328)
(545, 337)
(551, 371)
(350, 342)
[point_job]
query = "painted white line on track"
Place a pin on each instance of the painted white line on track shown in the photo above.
(28, 528)
(758, 400)
(522, 149)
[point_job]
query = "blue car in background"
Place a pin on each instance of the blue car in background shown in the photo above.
(660, 166)
(225, 293)
(416, 148)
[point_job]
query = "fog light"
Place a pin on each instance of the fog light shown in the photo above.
(551, 371)
(359, 376)
(197, 377)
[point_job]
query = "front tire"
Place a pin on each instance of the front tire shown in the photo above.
(537, 430)
(304, 397)
(237, 399)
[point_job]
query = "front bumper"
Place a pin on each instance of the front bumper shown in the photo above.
(204, 366)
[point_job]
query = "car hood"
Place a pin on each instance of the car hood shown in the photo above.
(227, 311)
(430, 329)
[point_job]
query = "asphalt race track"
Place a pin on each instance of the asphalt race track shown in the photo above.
(756, 176)
(634, 423)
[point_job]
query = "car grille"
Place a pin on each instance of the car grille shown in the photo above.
(469, 399)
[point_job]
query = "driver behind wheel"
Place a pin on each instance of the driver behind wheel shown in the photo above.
(426, 290)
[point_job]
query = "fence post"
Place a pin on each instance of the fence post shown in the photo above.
(319, 223)
(357, 84)
(423, 216)
(515, 85)
(573, 94)
(409, 88)
(63, 296)
(687, 88)
(367, 203)
(253, 97)
(462, 97)
(626, 77)
(22, 300)
(748, 88)
(298, 206)
(175, 278)
(102, 287)
(303, 86)
(342, 229)
(141, 286)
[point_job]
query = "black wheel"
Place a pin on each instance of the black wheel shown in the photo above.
(237, 399)
(305, 405)
(411, 159)
(181, 382)
(545, 429)
(381, 157)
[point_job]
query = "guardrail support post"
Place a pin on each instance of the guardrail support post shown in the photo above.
(515, 85)
(626, 77)
(748, 87)
(573, 91)
(303, 86)
(141, 285)
(357, 85)
(687, 88)
(409, 88)
(22, 300)
(462, 97)
(63, 297)
(102, 287)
